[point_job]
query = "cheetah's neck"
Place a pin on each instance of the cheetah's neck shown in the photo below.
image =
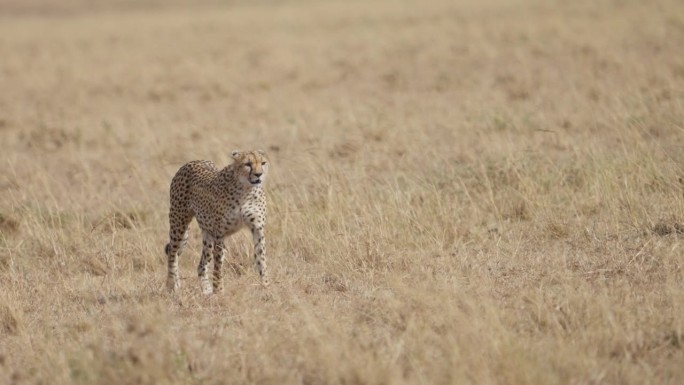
(230, 180)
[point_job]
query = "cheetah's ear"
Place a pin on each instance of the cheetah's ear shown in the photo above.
(262, 152)
(235, 154)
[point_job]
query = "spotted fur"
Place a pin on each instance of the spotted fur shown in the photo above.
(223, 202)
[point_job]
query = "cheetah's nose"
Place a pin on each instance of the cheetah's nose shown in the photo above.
(258, 174)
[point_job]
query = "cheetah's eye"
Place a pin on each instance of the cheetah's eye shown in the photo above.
(248, 165)
(263, 163)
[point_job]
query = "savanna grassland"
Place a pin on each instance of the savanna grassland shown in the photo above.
(461, 192)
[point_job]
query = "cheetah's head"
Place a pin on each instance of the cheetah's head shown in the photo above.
(252, 166)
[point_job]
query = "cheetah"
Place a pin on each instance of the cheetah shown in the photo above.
(223, 202)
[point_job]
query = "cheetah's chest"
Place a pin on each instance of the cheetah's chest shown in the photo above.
(232, 220)
(241, 214)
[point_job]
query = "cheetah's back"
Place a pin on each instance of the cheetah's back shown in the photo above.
(193, 175)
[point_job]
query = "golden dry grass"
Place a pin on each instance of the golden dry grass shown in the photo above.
(461, 192)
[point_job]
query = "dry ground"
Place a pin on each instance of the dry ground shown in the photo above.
(484, 192)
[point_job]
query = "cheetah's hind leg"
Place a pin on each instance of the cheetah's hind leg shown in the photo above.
(178, 239)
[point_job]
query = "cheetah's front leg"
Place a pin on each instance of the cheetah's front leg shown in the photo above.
(219, 254)
(207, 252)
(260, 252)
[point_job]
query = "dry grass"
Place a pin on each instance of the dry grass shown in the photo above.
(461, 192)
